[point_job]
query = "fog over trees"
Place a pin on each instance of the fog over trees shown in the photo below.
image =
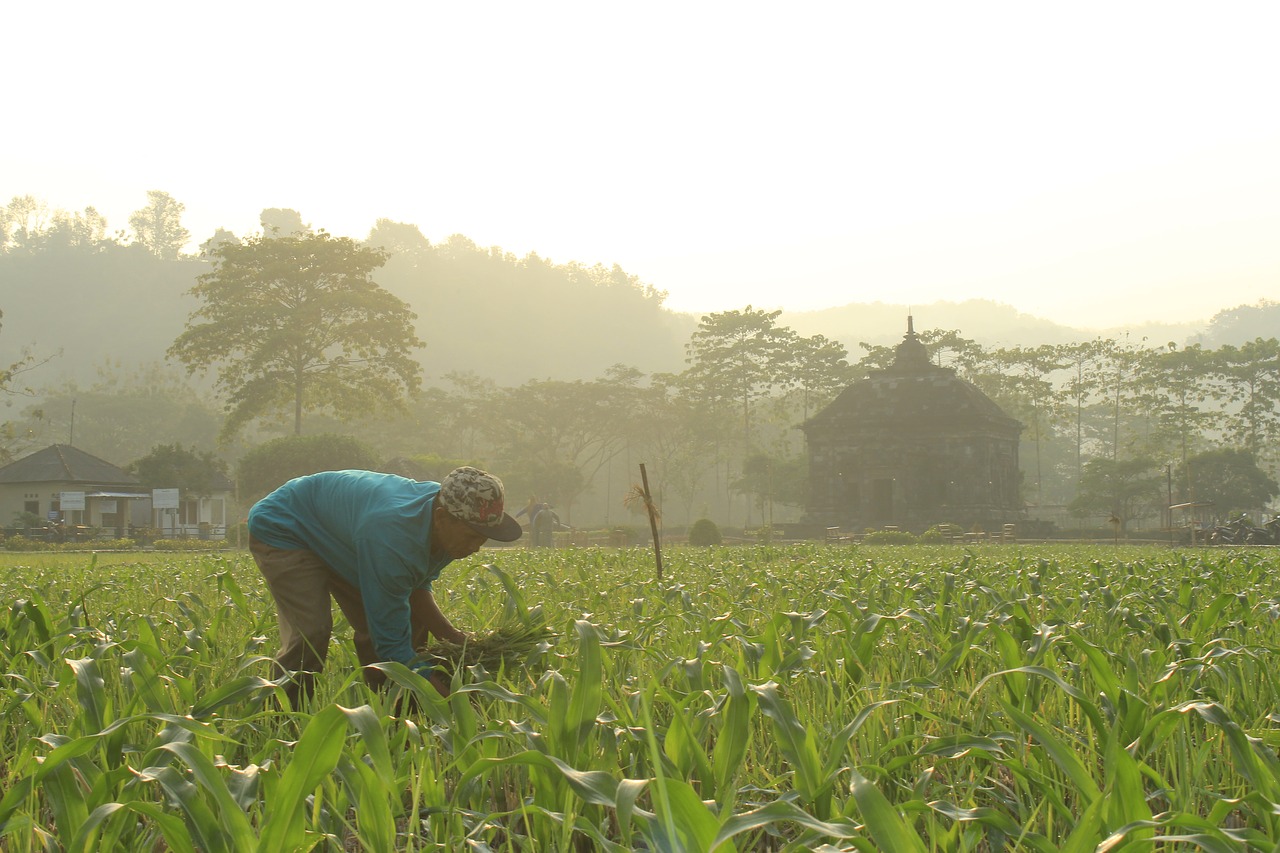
(561, 377)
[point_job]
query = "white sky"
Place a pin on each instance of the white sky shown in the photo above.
(1097, 163)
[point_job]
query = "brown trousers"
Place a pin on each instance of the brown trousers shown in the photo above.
(301, 584)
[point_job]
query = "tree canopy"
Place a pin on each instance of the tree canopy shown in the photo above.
(170, 466)
(298, 323)
(269, 465)
(1229, 478)
(158, 226)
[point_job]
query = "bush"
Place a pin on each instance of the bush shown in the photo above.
(190, 544)
(269, 465)
(704, 532)
(889, 537)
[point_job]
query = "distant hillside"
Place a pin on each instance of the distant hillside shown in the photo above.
(481, 311)
(989, 323)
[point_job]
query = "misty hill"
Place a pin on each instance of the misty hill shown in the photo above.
(480, 310)
(991, 324)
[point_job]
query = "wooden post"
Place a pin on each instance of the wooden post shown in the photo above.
(653, 519)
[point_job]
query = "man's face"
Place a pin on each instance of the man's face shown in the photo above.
(452, 536)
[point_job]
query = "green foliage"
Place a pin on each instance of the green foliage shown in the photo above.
(1125, 489)
(772, 697)
(190, 544)
(195, 472)
(1229, 478)
(270, 465)
(158, 226)
(889, 537)
(704, 532)
(297, 324)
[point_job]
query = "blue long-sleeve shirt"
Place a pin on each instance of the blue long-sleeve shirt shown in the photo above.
(372, 529)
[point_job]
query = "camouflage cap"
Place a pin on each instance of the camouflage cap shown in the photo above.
(475, 497)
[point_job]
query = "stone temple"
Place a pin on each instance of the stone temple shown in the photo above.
(912, 446)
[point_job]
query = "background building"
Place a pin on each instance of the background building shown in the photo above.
(912, 446)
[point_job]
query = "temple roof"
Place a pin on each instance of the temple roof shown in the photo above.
(912, 394)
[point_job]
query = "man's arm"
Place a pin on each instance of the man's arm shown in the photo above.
(426, 613)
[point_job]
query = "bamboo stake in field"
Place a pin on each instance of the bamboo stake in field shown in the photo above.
(653, 517)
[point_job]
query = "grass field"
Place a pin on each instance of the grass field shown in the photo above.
(804, 697)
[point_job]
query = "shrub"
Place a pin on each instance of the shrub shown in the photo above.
(190, 544)
(704, 532)
(889, 537)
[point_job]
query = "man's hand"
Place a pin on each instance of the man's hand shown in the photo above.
(453, 635)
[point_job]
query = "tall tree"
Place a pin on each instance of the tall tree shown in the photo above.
(22, 221)
(1250, 376)
(817, 370)
(158, 226)
(1175, 389)
(1082, 361)
(299, 322)
(1030, 395)
(740, 356)
(1121, 366)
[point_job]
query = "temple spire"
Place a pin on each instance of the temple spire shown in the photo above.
(911, 355)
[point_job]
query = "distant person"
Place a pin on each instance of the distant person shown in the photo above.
(544, 525)
(530, 509)
(374, 543)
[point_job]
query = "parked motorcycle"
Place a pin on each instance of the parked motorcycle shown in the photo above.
(1242, 531)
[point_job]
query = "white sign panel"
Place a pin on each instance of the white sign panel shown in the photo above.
(107, 506)
(71, 500)
(164, 498)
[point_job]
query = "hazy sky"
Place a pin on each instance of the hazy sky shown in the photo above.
(1094, 163)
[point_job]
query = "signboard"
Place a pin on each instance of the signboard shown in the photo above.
(164, 498)
(106, 506)
(71, 500)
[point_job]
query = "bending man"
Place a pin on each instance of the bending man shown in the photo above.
(374, 543)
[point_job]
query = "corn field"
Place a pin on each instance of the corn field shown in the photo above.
(808, 697)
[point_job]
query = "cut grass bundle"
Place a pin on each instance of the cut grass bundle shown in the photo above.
(510, 644)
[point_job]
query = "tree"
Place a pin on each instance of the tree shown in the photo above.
(13, 436)
(774, 481)
(122, 416)
(555, 436)
(1174, 386)
(269, 465)
(300, 321)
(8, 375)
(283, 222)
(1029, 395)
(1126, 489)
(1230, 479)
(1243, 323)
(170, 466)
(1250, 374)
(739, 356)
(22, 222)
(158, 226)
(1122, 364)
(1083, 361)
(818, 370)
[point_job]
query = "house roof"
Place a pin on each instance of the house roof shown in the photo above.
(62, 463)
